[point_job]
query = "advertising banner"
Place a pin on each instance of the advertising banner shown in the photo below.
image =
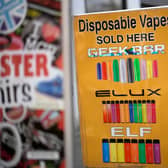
(121, 60)
(31, 84)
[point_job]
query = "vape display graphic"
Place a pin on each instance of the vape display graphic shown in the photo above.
(144, 151)
(129, 111)
(127, 71)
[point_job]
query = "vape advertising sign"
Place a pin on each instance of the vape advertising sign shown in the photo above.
(121, 60)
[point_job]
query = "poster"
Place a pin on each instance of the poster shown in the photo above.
(31, 85)
(121, 60)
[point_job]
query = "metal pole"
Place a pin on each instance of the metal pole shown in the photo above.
(67, 57)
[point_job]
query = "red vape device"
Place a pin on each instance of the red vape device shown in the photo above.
(134, 151)
(105, 113)
(149, 151)
(104, 71)
(118, 111)
(127, 148)
(153, 111)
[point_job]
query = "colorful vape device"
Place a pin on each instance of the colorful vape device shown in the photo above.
(99, 71)
(113, 109)
(156, 150)
(113, 150)
(127, 148)
(140, 111)
(120, 151)
(116, 76)
(126, 108)
(123, 71)
(105, 148)
(118, 111)
(134, 151)
(149, 111)
(149, 151)
(131, 112)
(110, 71)
(135, 111)
(142, 152)
(155, 69)
(109, 113)
(137, 71)
(122, 111)
(144, 111)
(104, 71)
(153, 111)
(105, 112)
(130, 70)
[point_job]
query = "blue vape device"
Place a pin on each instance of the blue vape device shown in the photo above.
(99, 71)
(131, 112)
(106, 153)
